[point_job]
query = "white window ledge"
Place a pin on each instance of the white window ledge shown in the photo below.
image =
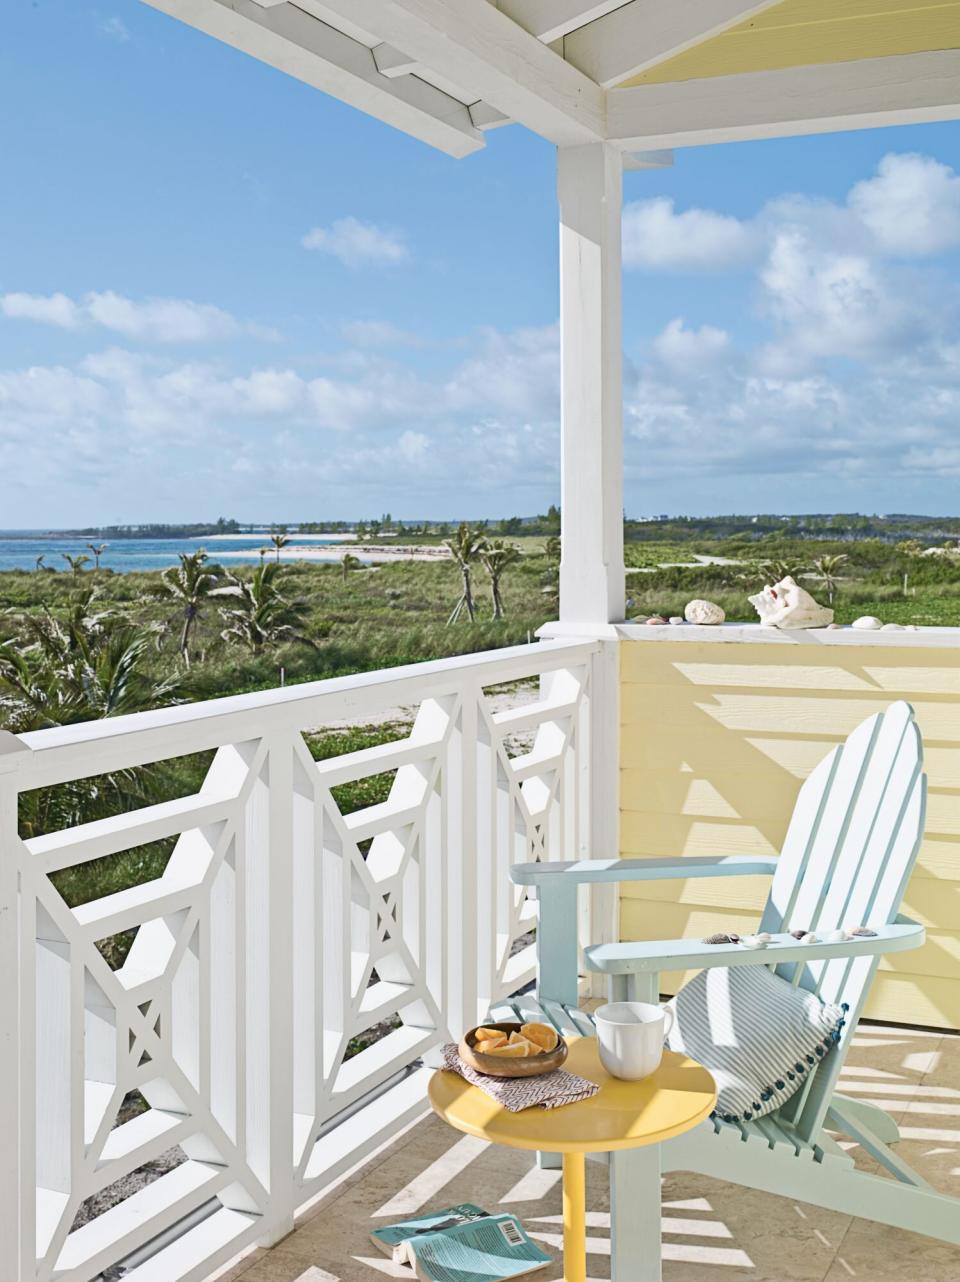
(756, 633)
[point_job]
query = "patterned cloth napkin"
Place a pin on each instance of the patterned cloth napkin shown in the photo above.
(549, 1090)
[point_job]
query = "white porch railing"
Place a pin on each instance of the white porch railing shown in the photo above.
(280, 930)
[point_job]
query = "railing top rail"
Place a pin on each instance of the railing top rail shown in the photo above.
(116, 743)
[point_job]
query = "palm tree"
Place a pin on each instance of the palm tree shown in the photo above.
(189, 583)
(98, 550)
(349, 562)
(79, 666)
(279, 541)
(496, 557)
(76, 563)
(261, 615)
(465, 546)
(826, 567)
(778, 569)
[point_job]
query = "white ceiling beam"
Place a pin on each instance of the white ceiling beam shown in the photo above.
(909, 89)
(647, 159)
(637, 36)
(548, 20)
(391, 62)
(299, 44)
(486, 117)
(476, 45)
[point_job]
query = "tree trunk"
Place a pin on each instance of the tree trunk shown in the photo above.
(498, 612)
(185, 636)
(468, 593)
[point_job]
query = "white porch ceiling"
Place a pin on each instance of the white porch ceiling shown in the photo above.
(446, 71)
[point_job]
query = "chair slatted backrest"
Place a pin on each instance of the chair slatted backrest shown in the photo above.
(848, 854)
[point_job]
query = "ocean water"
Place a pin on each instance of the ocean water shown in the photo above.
(20, 551)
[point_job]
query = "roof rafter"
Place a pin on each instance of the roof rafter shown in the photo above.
(301, 45)
(548, 20)
(909, 89)
(481, 48)
(641, 34)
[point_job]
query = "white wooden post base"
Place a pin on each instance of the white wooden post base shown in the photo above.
(635, 1215)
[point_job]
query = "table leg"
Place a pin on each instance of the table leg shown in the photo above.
(635, 1215)
(574, 1218)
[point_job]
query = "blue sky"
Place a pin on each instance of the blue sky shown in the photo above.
(224, 293)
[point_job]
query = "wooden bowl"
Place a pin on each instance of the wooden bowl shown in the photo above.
(498, 1066)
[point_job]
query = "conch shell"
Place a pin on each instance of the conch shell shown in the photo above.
(787, 605)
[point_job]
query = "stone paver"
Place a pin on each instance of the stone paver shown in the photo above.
(712, 1231)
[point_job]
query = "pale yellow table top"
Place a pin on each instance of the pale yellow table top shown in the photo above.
(621, 1115)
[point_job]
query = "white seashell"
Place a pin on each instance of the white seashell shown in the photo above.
(893, 627)
(676, 619)
(837, 937)
(911, 627)
(754, 941)
(763, 936)
(787, 605)
(810, 939)
(704, 612)
(868, 623)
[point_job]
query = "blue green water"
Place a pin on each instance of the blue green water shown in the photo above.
(123, 555)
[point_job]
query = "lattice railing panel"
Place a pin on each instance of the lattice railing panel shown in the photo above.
(281, 979)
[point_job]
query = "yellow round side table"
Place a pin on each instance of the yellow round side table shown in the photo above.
(622, 1115)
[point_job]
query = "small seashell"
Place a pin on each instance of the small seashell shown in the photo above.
(799, 934)
(809, 938)
(763, 936)
(656, 619)
(718, 938)
(868, 623)
(893, 627)
(831, 626)
(677, 619)
(863, 932)
(911, 627)
(754, 941)
(837, 937)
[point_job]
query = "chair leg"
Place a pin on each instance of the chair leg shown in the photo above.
(870, 1115)
(635, 1215)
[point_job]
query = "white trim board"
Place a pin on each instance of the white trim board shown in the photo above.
(757, 634)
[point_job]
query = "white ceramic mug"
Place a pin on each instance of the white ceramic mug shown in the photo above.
(630, 1037)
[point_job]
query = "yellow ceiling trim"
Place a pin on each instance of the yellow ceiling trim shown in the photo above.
(799, 33)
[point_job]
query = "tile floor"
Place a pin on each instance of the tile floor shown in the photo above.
(712, 1232)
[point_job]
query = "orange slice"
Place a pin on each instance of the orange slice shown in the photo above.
(495, 1035)
(511, 1050)
(542, 1035)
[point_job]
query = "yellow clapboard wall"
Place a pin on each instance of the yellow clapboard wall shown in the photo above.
(797, 33)
(716, 739)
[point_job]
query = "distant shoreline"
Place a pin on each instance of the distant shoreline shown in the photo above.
(362, 551)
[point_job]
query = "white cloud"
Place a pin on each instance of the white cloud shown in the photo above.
(116, 29)
(690, 350)
(159, 320)
(355, 242)
(911, 207)
(375, 333)
(657, 238)
(51, 309)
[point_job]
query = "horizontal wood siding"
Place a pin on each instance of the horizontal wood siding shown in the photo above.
(715, 741)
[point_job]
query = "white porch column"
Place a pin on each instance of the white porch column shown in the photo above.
(590, 186)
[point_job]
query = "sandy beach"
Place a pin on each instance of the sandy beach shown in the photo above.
(362, 551)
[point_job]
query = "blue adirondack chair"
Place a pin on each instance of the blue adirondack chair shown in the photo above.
(848, 854)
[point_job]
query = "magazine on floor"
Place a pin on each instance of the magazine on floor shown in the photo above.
(462, 1244)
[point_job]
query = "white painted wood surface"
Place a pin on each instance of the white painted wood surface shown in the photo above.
(641, 34)
(907, 89)
(590, 188)
(271, 941)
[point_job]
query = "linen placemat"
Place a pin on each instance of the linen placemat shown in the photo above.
(549, 1090)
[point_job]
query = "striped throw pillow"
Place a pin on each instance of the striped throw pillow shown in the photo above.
(758, 1035)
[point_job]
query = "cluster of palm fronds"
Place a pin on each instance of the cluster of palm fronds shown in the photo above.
(258, 613)
(468, 546)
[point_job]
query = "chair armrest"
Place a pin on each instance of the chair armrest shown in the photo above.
(593, 870)
(693, 954)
